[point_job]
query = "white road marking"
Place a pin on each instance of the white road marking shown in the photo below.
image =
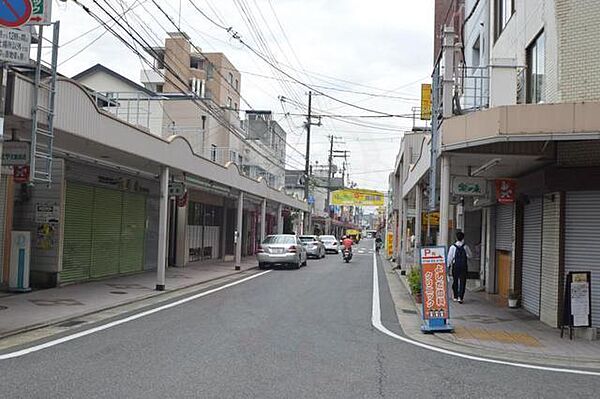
(115, 323)
(376, 322)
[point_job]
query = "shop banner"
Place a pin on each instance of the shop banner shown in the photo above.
(355, 197)
(506, 191)
(390, 244)
(434, 285)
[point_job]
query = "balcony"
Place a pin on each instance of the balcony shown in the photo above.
(136, 108)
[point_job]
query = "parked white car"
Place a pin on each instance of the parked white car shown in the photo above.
(281, 249)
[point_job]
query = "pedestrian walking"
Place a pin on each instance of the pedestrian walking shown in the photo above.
(458, 257)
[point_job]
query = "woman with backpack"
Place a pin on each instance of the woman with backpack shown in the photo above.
(458, 258)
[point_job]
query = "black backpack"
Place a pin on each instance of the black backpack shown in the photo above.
(460, 257)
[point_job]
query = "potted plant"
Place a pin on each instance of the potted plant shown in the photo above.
(414, 283)
(513, 299)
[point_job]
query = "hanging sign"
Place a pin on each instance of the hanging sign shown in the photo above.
(390, 244)
(506, 191)
(436, 309)
(577, 308)
(14, 13)
(426, 102)
(183, 200)
(15, 153)
(467, 186)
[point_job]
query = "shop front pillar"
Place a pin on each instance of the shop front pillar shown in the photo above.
(263, 220)
(444, 200)
(162, 229)
(418, 219)
(280, 219)
(238, 232)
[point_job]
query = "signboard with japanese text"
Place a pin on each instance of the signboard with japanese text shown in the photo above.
(21, 174)
(14, 45)
(15, 153)
(467, 186)
(47, 213)
(434, 283)
(426, 101)
(506, 191)
(390, 243)
(578, 300)
(356, 197)
(41, 12)
(431, 219)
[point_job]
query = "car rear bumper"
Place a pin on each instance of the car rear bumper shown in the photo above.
(313, 251)
(278, 258)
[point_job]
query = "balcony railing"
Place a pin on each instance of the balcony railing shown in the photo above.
(473, 88)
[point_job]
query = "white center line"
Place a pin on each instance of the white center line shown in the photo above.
(376, 322)
(115, 323)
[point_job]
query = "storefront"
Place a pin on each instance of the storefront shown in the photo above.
(110, 223)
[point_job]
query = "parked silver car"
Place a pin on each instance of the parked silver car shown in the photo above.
(331, 244)
(281, 249)
(314, 247)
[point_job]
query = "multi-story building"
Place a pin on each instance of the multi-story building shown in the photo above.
(518, 162)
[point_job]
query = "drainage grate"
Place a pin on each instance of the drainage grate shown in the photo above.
(118, 292)
(71, 323)
(409, 311)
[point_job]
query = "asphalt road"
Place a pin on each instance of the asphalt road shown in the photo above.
(287, 334)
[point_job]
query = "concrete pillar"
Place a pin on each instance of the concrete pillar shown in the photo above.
(418, 219)
(238, 232)
(280, 219)
(162, 228)
(444, 200)
(223, 238)
(403, 238)
(181, 251)
(483, 250)
(449, 50)
(263, 220)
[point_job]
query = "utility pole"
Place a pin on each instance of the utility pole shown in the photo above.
(329, 173)
(309, 123)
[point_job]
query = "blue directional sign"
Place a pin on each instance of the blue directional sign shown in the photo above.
(14, 13)
(311, 200)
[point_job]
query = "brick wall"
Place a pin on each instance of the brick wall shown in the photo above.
(578, 154)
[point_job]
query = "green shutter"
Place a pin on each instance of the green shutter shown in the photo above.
(132, 233)
(77, 246)
(106, 232)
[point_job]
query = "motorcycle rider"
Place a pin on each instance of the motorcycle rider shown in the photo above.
(347, 243)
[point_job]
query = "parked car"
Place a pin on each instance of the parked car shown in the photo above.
(281, 249)
(314, 246)
(331, 244)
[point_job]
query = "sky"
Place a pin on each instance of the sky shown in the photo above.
(381, 49)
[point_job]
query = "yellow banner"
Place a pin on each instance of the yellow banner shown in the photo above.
(355, 197)
(426, 102)
(390, 243)
(432, 219)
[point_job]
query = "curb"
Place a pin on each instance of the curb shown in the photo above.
(482, 351)
(153, 294)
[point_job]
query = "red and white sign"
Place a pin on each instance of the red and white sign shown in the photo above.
(434, 283)
(21, 173)
(506, 191)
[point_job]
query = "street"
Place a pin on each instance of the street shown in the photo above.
(285, 334)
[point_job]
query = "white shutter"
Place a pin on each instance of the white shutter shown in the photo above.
(582, 241)
(532, 255)
(504, 227)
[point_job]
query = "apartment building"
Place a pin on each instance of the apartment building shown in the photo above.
(515, 152)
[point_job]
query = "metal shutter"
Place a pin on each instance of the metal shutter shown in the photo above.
(133, 230)
(532, 255)
(582, 241)
(77, 246)
(504, 227)
(106, 232)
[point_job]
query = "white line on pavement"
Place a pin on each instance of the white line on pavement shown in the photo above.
(376, 322)
(115, 323)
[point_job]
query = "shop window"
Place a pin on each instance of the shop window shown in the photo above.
(213, 152)
(536, 70)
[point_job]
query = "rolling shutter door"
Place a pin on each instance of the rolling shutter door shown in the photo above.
(132, 233)
(106, 233)
(504, 227)
(582, 241)
(532, 255)
(77, 247)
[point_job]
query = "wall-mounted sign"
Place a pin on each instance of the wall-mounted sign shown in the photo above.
(41, 12)
(506, 191)
(434, 289)
(15, 153)
(467, 186)
(390, 244)
(356, 197)
(431, 219)
(176, 189)
(426, 102)
(14, 45)
(47, 213)
(21, 174)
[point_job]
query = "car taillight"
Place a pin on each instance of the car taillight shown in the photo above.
(293, 248)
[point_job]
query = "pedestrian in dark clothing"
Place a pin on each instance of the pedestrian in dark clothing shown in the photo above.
(458, 256)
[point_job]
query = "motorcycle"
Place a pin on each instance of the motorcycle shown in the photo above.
(347, 255)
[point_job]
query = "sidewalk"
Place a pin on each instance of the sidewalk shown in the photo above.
(485, 327)
(23, 312)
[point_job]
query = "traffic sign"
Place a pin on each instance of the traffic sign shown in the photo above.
(40, 12)
(15, 13)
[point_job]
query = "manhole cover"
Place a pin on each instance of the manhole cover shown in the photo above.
(409, 311)
(71, 323)
(118, 292)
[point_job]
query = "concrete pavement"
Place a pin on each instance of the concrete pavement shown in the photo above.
(287, 334)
